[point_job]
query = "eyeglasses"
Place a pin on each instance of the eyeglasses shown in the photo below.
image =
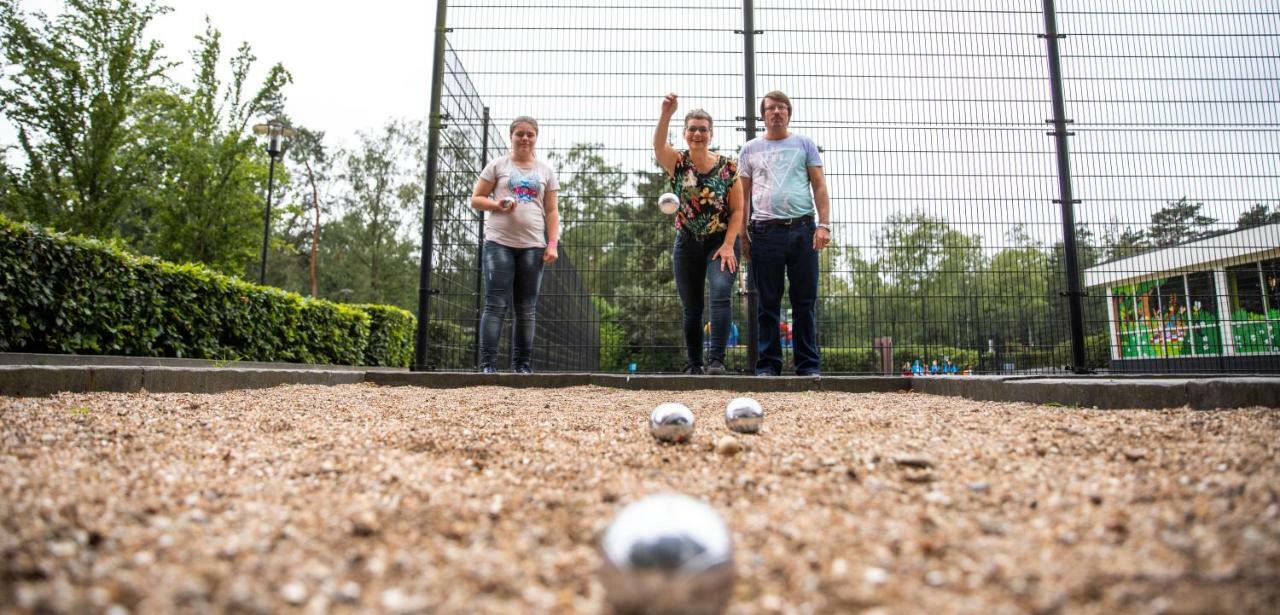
(697, 129)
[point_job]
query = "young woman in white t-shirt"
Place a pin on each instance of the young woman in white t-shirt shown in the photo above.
(521, 231)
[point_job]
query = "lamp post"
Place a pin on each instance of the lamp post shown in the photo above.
(275, 132)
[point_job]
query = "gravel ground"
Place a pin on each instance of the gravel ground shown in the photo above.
(493, 500)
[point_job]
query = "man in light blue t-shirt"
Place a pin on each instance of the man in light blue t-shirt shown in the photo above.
(781, 174)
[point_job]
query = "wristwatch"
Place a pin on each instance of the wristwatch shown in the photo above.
(825, 226)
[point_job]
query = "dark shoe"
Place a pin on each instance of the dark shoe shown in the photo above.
(691, 369)
(764, 373)
(715, 367)
(524, 369)
(809, 374)
(488, 369)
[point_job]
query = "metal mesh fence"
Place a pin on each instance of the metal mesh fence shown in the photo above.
(1177, 138)
(567, 324)
(935, 126)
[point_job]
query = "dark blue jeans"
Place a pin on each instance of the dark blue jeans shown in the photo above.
(784, 254)
(510, 275)
(694, 266)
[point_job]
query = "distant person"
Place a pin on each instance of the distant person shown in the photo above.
(521, 230)
(917, 368)
(707, 223)
(934, 369)
(906, 368)
(1273, 290)
(790, 223)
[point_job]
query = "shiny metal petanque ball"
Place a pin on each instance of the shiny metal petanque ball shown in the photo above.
(507, 203)
(668, 553)
(744, 415)
(668, 203)
(671, 422)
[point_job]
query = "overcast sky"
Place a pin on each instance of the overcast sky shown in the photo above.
(354, 64)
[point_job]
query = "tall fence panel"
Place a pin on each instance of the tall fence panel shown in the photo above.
(593, 74)
(470, 138)
(934, 120)
(1175, 154)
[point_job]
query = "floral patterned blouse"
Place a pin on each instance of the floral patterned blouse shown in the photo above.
(704, 197)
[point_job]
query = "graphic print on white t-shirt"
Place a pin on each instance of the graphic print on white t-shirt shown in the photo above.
(780, 182)
(524, 184)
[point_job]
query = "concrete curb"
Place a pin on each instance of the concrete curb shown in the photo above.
(88, 360)
(1113, 393)
(1154, 392)
(40, 380)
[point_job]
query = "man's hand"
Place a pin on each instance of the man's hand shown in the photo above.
(821, 238)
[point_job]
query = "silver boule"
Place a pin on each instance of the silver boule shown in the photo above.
(744, 415)
(667, 553)
(507, 203)
(671, 422)
(668, 203)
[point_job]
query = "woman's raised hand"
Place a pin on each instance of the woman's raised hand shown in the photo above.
(669, 103)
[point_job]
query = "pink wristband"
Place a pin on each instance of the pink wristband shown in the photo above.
(552, 244)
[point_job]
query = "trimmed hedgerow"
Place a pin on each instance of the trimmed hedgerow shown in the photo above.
(73, 295)
(391, 333)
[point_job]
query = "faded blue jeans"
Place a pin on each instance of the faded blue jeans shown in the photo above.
(510, 275)
(694, 267)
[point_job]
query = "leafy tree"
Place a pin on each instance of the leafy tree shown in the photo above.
(1017, 288)
(306, 203)
(1179, 222)
(928, 269)
(207, 173)
(1123, 243)
(369, 253)
(1258, 215)
(76, 79)
(591, 195)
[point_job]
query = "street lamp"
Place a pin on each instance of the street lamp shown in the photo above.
(275, 131)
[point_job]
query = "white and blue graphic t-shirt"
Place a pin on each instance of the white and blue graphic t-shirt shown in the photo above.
(779, 174)
(525, 226)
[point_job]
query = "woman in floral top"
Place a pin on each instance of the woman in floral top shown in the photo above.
(707, 226)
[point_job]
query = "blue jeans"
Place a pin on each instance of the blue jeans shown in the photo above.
(694, 266)
(510, 273)
(778, 252)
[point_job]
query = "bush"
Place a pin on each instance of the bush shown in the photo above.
(391, 333)
(66, 294)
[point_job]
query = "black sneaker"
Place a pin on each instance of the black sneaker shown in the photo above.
(524, 369)
(488, 369)
(715, 367)
(691, 370)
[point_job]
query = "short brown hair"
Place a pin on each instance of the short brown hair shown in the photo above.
(778, 96)
(699, 114)
(524, 119)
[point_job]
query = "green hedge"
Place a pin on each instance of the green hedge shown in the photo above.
(72, 295)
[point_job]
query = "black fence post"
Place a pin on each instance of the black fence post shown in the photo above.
(484, 161)
(749, 97)
(428, 219)
(1060, 121)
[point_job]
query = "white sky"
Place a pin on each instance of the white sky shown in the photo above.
(355, 65)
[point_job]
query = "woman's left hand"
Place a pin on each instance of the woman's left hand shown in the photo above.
(727, 259)
(550, 255)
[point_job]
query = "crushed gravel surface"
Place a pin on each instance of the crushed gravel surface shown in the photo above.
(493, 500)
